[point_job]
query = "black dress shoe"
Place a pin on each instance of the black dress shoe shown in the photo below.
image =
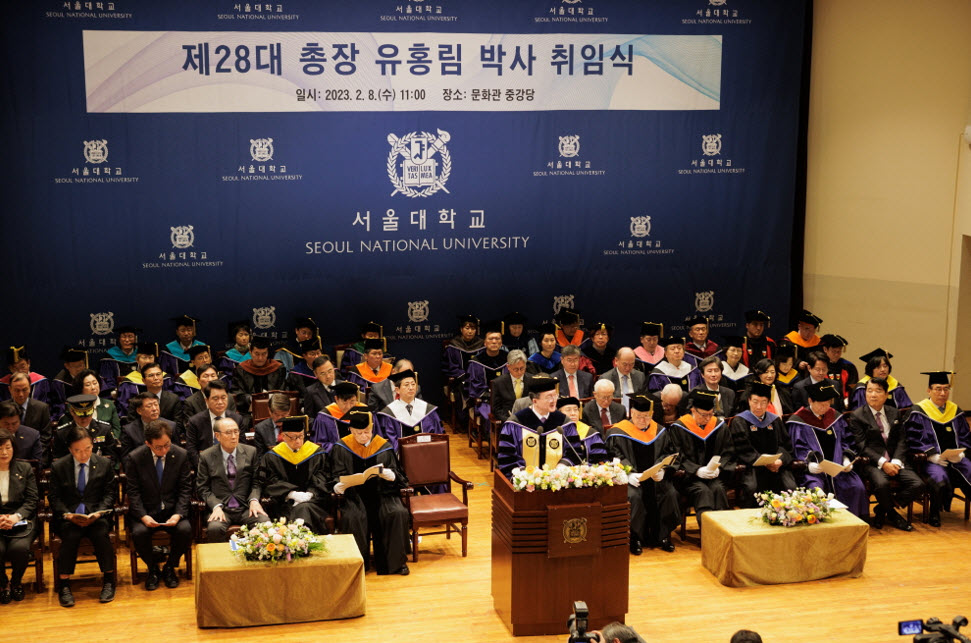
(635, 546)
(65, 597)
(404, 571)
(877, 521)
(151, 581)
(4, 596)
(666, 545)
(899, 522)
(17, 591)
(935, 520)
(108, 591)
(169, 577)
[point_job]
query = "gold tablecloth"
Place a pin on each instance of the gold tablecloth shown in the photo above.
(235, 593)
(740, 550)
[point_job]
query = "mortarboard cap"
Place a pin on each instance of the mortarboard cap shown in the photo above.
(372, 327)
(345, 389)
(641, 403)
(359, 417)
(807, 317)
(400, 375)
(70, 354)
(305, 322)
(938, 377)
(374, 344)
(16, 353)
(651, 329)
(515, 318)
(876, 352)
(467, 319)
(785, 349)
(312, 344)
(260, 341)
(599, 326)
(185, 320)
(833, 341)
(82, 405)
(567, 401)
(694, 321)
(546, 329)
(821, 391)
(542, 383)
(233, 327)
(760, 389)
(566, 317)
(195, 351)
(147, 348)
(121, 330)
(294, 424)
(493, 326)
(703, 400)
(735, 341)
(756, 315)
(672, 340)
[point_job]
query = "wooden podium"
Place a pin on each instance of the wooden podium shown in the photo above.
(552, 548)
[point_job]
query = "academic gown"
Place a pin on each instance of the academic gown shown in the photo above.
(538, 363)
(300, 378)
(374, 507)
(392, 429)
(282, 470)
(930, 431)
(327, 429)
(750, 438)
(687, 380)
(654, 511)
(602, 362)
(40, 387)
(248, 379)
(481, 374)
(697, 450)
(592, 449)
(458, 354)
(831, 442)
(230, 360)
(757, 348)
(116, 365)
(524, 441)
(174, 359)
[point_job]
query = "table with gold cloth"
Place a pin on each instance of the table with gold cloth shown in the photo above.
(235, 593)
(740, 550)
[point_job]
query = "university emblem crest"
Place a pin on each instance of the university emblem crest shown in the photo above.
(640, 227)
(102, 323)
(265, 317)
(711, 144)
(704, 301)
(419, 170)
(96, 152)
(418, 311)
(574, 530)
(569, 146)
(261, 149)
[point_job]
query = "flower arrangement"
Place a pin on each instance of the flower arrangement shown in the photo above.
(798, 507)
(275, 541)
(605, 474)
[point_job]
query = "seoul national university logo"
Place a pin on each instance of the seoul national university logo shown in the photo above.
(569, 146)
(265, 317)
(418, 311)
(261, 149)
(717, 3)
(562, 301)
(640, 227)
(419, 176)
(704, 301)
(574, 530)
(102, 323)
(182, 236)
(711, 144)
(96, 152)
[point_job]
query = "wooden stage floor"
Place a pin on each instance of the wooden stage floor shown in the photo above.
(447, 598)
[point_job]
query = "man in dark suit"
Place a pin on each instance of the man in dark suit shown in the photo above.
(878, 430)
(570, 368)
(818, 372)
(82, 494)
(711, 373)
(26, 441)
(169, 404)
(227, 483)
(159, 486)
(146, 410)
(602, 407)
(382, 393)
(320, 394)
(33, 413)
(626, 379)
(267, 432)
(510, 386)
(199, 430)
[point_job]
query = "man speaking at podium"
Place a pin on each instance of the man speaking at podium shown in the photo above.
(539, 434)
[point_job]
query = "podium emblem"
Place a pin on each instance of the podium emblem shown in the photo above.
(574, 530)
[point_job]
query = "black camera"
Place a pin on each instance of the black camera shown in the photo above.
(937, 631)
(577, 624)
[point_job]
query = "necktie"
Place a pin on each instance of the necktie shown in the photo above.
(517, 386)
(82, 483)
(23, 414)
(409, 407)
(882, 423)
(572, 379)
(542, 420)
(625, 385)
(604, 419)
(158, 469)
(231, 474)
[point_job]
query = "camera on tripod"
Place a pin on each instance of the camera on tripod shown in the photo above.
(578, 623)
(937, 631)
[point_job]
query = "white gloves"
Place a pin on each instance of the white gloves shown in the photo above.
(300, 496)
(814, 468)
(339, 488)
(659, 475)
(706, 474)
(847, 464)
(634, 479)
(937, 459)
(387, 474)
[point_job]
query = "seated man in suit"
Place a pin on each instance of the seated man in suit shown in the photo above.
(81, 409)
(878, 431)
(32, 413)
(756, 432)
(26, 441)
(320, 394)
(711, 373)
(146, 410)
(373, 508)
(670, 403)
(196, 402)
(227, 482)
(818, 372)
(510, 386)
(626, 379)
(257, 374)
(937, 427)
(82, 495)
(200, 431)
(602, 412)
(159, 486)
(293, 474)
(573, 381)
(302, 374)
(267, 433)
(169, 404)
(382, 393)
(539, 434)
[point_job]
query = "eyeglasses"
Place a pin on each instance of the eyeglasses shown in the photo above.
(229, 432)
(941, 389)
(293, 436)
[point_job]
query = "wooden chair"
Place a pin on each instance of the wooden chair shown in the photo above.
(160, 538)
(426, 461)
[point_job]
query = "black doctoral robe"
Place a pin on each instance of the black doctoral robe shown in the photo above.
(282, 471)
